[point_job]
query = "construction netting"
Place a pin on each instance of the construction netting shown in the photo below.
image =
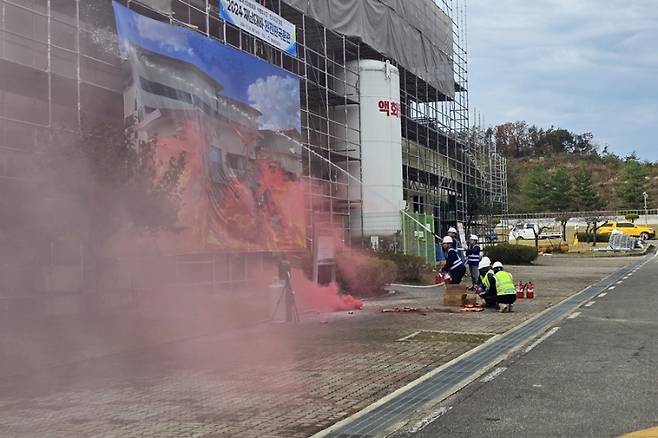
(417, 33)
(418, 236)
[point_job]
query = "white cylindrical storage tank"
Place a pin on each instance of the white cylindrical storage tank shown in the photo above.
(381, 147)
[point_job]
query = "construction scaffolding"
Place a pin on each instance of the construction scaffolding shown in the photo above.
(60, 65)
(488, 196)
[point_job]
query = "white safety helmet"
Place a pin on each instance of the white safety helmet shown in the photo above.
(474, 237)
(497, 265)
(452, 230)
(484, 263)
(486, 259)
(448, 240)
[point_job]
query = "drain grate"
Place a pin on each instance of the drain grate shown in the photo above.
(453, 377)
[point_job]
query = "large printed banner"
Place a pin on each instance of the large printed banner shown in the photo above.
(236, 118)
(261, 23)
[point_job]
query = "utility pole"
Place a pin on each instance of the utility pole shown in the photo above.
(646, 212)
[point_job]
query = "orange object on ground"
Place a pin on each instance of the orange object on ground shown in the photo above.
(472, 308)
(422, 312)
(441, 278)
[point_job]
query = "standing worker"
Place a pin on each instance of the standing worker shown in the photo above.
(505, 288)
(473, 259)
(488, 284)
(452, 232)
(454, 264)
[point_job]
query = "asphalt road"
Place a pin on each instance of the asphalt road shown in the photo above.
(594, 376)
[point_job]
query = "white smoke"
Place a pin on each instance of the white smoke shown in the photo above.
(277, 98)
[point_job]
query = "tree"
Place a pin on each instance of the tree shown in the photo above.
(633, 185)
(583, 144)
(559, 198)
(593, 225)
(632, 217)
(517, 139)
(479, 206)
(557, 140)
(585, 197)
(512, 139)
(536, 189)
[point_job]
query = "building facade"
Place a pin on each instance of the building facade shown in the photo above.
(383, 94)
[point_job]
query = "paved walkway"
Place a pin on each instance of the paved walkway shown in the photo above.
(266, 381)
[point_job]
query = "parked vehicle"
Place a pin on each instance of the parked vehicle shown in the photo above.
(630, 229)
(528, 231)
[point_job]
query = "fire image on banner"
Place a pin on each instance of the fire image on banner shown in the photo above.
(236, 118)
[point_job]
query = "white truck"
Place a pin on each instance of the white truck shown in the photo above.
(528, 231)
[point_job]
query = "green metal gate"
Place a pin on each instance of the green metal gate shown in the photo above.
(418, 236)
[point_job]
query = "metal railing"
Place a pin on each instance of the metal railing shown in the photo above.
(579, 214)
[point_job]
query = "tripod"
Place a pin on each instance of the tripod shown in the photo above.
(287, 296)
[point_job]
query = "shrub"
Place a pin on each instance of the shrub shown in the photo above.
(409, 267)
(554, 248)
(363, 275)
(512, 254)
(589, 237)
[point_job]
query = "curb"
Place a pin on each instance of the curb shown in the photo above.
(411, 286)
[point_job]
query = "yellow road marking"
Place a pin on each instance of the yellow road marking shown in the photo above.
(648, 433)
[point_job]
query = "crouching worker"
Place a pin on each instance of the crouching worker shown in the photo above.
(505, 289)
(488, 284)
(454, 264)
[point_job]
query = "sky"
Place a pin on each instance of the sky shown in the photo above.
(248, 79)
(583, 65)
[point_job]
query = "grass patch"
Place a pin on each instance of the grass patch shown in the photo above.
(465, 338)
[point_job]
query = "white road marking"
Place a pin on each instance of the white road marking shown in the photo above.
(603, 294)
(423, 423)
(408, 337)
(537, 386)
(590, 304)
(550, 333)
(612, 288)
(492, 375)
(620, 281)
(574, 315)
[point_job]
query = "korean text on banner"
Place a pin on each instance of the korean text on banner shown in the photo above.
(261, 23)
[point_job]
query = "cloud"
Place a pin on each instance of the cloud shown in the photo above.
(169, 41)
(277, 98)
(586, 65)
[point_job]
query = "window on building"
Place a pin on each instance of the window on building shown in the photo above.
(235, 162)
(215, 163)
(165, 91)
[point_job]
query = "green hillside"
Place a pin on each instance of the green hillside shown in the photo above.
(551, 170)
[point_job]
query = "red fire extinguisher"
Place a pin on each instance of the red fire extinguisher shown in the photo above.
(520, 290)
(530, 291)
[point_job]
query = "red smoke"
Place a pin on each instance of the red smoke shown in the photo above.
(311, 296)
